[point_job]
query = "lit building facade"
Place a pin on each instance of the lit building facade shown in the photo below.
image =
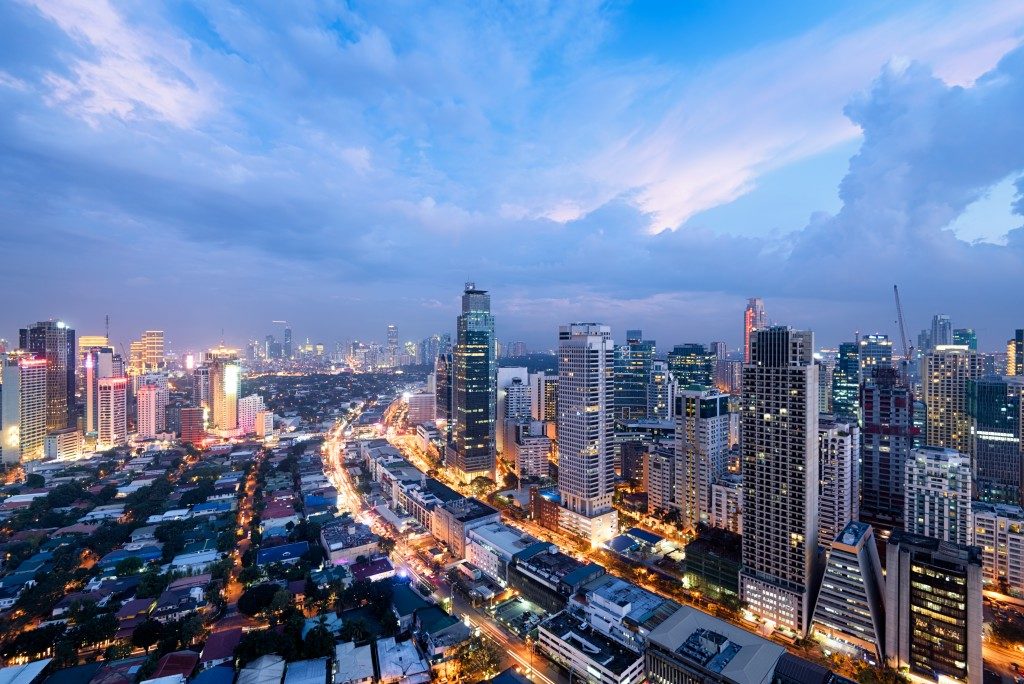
(754, 318)
(993, 404)
(23, 409)
(998, 530)
(874, 351)
(839, 473)
(947, 370)
(660, 479)
(633, 362)
(249, 409)
(113, 419)
(938, 494)
(779, 445)
(846, 382)
(702, 420)
(692, 365)
(55, 341)
(887, 437)
(151, 410)
(225, 387)
(153, 350)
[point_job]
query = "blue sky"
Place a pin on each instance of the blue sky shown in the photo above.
(202, 166)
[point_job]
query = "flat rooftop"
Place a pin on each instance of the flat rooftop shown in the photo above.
(596, 646)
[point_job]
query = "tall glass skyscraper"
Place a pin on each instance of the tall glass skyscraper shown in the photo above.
(993, 403)
(55, 341)
(633, 363)
(887, 437)
(846, 382)
(692, 365)
(471, 451)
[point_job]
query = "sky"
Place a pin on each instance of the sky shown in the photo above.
(208, 167)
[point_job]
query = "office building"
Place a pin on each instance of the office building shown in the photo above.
(966, 337)
(874, 351)
(225, 386)
(702, 420)
(443, 386)
(586, 474)
(660, 479)
(633, 362)
(286, 345)
(993, 404)
(151, 410)
(754, 318)
(933, 608)
(55, 341)
(839, 473)
(530, 450)
(450, 522)
(112, 426)
(513, 402)
(471, 451)
(492, 546)
(947, 371)
(692, 365)
(1015, 353)
(23, 408)
(942, 331)
(779, 446)
(719, 351)
(938, 494)
(153, 350)
(846, 382)
(661, 392)
(825, 370)
(99, 363)
(201, 394)
(544, 397)
(998, 530)
(62, 444)
(586, 652)
(249, 409)
(887, 407)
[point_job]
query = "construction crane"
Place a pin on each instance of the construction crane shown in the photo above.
(908, 350)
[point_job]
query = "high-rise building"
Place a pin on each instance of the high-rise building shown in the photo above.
(286, 346)
(825, 369)
(248, 409)
(112, 427)
(966, 337)
(661, 392)
(392, 348)
(779, 447)
(727, 503)
(201, 386)
(754, 318)
(850, 612)
(152, 349)
(55, 341)
(151, 411)
(660, 479)
(136, 357)
(719, 350)
(702, 420)
(23, 408)
(99, 363)
(887, 405)
(947, 370)
(994, 405)
(1015, 353)
(692, 365)
(225, 386)
(874, 350)
(633, 361)
(511, 410)
(471, 451)
(839, 477)
(192, 430)
(530, 449)
(938, 494)
(586, 472)
(933, 608)
(517, 350)
(544, 397)
(998, 530)
(846, 382)
(443, 387)
(942, 331)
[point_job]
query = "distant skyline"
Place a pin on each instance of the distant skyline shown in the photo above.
(198, 168)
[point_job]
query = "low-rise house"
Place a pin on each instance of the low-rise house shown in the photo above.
(131, 615)
(353, 664)
(313, 671)
(175, 604)
(220, 648)
(404, 603)
(373, 570)
(344, 542)
(178, 663)
(194, 562)
(401, 663)
(439, 631)
(286, 553)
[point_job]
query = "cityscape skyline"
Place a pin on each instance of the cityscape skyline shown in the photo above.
(375, 203)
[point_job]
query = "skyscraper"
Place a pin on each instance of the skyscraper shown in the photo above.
(966, 337)
(55, 342)
(443, 387)
(779, 447)
(839, 477)
(846, 382)
(933, 608)
(99, 363)
(544, 397)
(701, 448)
(661, 392)
(1015, 353)
(23, 410)
(513, 404)
(151, 412)
(942, 331)
(225, 387)
(286, 346)
(754, 318)
(993, 403)
(692, 365)
(947, 370)
(633, 361)
(887, 437)
(152, 350)
(392, 348)
(874, 350)
(474, 385)
(586, 430)
(938, 494)
(112, 421)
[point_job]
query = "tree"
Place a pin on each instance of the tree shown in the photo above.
(387, 545)
(147, 634)
(257, 599)
(319, 642)
(281, 601)
(151, 584)
(260, 643)
(128, 566)
(880, 675)
(478, 657)
(355, 629)
(35, 481)
(1007, 631)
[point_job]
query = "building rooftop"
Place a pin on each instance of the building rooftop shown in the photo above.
(705, 642)
(400, 660)
(352, 663)
(596, 646)
(716, 541)
(313, 671)
(507, 539)
(277, 554)
(466, 510)
(342, 535)
(635, 604)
